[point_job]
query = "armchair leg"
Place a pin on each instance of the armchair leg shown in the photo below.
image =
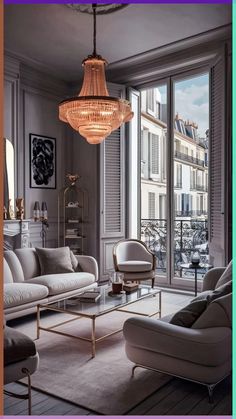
(26, 396)
(210, 389)
(153, 280)
(26, 371)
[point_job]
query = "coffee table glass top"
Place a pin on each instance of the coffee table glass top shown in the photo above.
(105, 303)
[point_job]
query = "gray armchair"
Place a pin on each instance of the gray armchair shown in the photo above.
(134, 260)
(20, 360)
(201, 353)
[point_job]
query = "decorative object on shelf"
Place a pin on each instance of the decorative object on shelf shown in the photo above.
(72, 179)
(36, 211)
(71, 205)
(93, 113)
(195, 258)
(10, 212)
(44, 211)
(20, 208)
(42, 162)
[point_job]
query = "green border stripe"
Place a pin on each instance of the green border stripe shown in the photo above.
(234, 201)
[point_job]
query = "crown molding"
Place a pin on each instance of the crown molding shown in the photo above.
(192, 51)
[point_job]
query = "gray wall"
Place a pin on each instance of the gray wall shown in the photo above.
(31, 106)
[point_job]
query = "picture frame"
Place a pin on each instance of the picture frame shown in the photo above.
(42, 161)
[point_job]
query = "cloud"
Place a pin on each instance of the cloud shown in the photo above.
(192, 102)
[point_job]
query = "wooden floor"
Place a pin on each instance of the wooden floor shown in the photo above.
(177, 397)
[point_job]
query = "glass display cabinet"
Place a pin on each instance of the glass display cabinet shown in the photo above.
(71, 202)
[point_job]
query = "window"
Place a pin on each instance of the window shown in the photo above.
(154, 155)
(151, 205)
(158, 110)
(162, 207)
(178, 176)
(150, 101)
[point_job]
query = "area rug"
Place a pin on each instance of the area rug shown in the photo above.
(102, 384)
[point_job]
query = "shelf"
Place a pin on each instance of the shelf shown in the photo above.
(77, 207)
(73, 237)
(72, 221)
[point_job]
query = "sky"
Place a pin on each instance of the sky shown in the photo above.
(191, 100)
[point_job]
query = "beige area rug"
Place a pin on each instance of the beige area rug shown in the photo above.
(102, 384)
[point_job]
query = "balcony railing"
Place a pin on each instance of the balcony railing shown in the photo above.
(190, 213)
(190, 159)
(202, 188)
(189, 236)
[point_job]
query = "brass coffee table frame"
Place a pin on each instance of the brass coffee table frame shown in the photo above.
(93, 340)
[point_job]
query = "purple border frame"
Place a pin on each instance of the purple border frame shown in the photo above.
(121, 1)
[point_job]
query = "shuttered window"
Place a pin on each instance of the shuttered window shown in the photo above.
(216, 193)
(150, 101)
(154, 155)
(112, 183)
(151, 205)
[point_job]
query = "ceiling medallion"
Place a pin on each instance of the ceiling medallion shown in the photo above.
(101, 9)
(93, 113)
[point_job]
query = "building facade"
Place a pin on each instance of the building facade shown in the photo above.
(190, 163)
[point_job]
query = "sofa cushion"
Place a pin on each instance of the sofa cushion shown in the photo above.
(217, 314)
(135, 266)
(7, 275)
(29, 262)
(226, 276)
(189, 314)
(59, 283)
(75, 263)
(14, 265)
(54, 261)
(17, 293)
(17, 346)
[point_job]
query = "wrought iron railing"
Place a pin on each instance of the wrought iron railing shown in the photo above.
(191, 159)
(190, 213)
(189, 236)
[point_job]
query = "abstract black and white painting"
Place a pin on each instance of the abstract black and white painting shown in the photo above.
(42, 162)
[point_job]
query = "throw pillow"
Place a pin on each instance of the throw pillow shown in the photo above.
(75, 264)
(54, 261)
(217, 314)
(226, 276)
(189, 314)
(220, 292)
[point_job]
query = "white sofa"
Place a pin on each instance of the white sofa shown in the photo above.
(25, 287)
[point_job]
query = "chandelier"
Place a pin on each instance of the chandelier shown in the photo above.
(93, 113)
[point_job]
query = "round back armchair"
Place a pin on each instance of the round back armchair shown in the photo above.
(134, 260)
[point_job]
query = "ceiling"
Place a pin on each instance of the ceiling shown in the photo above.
(57, 38)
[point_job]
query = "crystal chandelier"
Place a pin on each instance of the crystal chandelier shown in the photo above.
(93, 112)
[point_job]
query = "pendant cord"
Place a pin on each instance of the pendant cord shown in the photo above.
(94, 6)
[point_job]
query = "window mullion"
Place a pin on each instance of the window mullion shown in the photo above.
(170, 186)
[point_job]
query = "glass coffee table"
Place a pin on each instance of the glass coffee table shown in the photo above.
(103, 306)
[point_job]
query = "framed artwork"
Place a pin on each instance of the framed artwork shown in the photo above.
(42, 162)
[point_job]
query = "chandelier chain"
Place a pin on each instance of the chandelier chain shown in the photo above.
(94, 6)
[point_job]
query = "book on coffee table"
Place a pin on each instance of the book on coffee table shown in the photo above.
(89, 296)
(130, 287)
